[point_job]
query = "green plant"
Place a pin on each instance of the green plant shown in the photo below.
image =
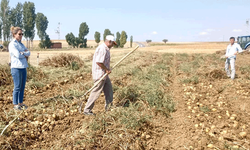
(34, 84)
(133, 120)
(186, 67)
(205, 109)
(245, 69)
(74, 66)
(6, 44)
(193, 79)
(35, 73)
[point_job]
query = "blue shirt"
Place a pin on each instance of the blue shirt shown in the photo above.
(18, 60)
(232, 49)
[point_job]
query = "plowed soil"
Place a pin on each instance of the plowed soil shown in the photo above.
(211, 110)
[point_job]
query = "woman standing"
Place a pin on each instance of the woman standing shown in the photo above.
(19, 55)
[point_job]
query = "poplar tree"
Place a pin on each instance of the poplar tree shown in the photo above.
(97, 37)
(29, 17)
(123, 39)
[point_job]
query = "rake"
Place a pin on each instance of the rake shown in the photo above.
(96, 83)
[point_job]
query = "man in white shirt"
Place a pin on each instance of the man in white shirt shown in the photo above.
(100, 66)
(231, 52)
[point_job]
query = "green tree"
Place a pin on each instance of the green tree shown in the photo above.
(123, 39)
(148, 41)
(118, 36)
(19, 15)
(29, 17)
(77, 42)
(32, 37)
(6, 31)
(70, 38)
(5, 13)
(83, 31)
(16, 16)
(131, 41)
(1, 26)
(97, 37)
(106, 32)
(165, 41)
(13, 16)
(46, 43)
(41, 25)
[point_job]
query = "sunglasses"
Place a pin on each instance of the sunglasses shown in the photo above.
(20, 34)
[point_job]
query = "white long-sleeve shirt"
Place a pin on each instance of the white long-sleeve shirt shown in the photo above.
(18, 60)
(232, 49)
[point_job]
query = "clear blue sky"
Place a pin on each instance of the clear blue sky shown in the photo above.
(176, 20)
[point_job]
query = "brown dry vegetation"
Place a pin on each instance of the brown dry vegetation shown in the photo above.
(63, 60)
(162, 101)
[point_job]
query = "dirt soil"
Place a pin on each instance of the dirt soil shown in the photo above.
(211, 114)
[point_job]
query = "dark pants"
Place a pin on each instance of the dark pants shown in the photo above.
(19, 78)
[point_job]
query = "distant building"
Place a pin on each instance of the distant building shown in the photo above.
(56, 45)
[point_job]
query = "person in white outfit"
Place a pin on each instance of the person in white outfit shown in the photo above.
(232, 50)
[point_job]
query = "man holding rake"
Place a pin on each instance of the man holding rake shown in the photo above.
(100, 66)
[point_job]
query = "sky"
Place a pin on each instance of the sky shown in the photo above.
(176, 20)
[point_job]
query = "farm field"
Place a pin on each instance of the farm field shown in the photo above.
(175, 96)
(84, 53)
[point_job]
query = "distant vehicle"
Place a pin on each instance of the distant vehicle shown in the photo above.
(244, 42)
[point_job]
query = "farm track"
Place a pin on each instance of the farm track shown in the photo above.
(178, 126)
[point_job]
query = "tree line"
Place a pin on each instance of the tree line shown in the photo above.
(121, 38)
(81, 40)
(23, 16)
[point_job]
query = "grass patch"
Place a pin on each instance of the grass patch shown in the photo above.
(245, 69)
(205, 109)
(34, 84)
(186, 67)
(193, 79)
(151, 83)
(119, 128)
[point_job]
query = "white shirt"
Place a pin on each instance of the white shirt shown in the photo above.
(232, 49)
(102, 55)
